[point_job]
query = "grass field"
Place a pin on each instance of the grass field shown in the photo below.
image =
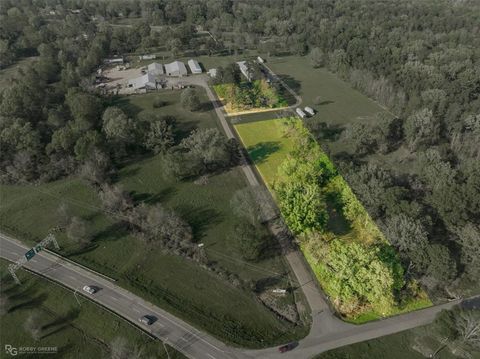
(340, 104)
(199, 296)
(268, 144)
(78, 331)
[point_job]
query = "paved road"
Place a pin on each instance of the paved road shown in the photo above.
(173, 331)
(195, 344)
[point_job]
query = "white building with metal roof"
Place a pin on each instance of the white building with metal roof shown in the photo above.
(176, 68)
(146, 81)
(155, 68)
(194, 66)
(244, 70)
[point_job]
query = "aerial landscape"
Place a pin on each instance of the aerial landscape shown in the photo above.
(240, 179)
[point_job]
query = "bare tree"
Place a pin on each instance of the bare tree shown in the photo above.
(63, 215)
(120, 349)
(32, 325)
(253, 204)
(78, 231)
(115, 199)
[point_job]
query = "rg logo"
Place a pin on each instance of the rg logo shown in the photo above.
(10, 350)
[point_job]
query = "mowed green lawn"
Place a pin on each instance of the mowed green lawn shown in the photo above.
(77, 331)
(176, 284)
(340, 103)
(266, 144)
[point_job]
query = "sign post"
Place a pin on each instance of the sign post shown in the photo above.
(12, 268)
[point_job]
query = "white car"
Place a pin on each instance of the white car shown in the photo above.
(89, 290)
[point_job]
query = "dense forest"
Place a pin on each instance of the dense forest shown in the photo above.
(419, 59)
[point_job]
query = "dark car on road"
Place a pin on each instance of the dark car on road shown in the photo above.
(287, 347)
(147, 319)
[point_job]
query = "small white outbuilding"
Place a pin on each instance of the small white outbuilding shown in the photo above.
(194, 66)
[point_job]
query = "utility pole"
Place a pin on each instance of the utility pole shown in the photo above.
(75, 295)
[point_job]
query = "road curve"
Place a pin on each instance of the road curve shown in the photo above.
(195, 344)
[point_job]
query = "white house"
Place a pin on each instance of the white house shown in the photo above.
(310, 111)
(194, 66)
(244, 70)
(300, 112)
(146, 81)
(155, 68)
(176, 68)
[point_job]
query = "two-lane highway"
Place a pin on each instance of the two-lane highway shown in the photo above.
(327, 332)
(167, 328)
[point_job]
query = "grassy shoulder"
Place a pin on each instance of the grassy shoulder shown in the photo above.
(40, 313)
(398, 346)
(354, 263)
(221, 303)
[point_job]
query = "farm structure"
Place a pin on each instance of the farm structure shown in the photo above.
(194, 66)
(176, 68)
(155, 68)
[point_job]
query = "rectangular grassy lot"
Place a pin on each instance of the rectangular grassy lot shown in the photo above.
(176, 284)
(78, 331)
(268, 144)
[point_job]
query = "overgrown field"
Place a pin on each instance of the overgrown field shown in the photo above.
(42, 314)
(249, 96)
(222, 303)
(354, 263)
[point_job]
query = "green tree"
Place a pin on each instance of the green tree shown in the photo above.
(302, 206)
(365, 273)
(118, 127)
(190, 99)
(209, 147)
(421, 128)
(250, 239)
(159, 137)
(317, 57)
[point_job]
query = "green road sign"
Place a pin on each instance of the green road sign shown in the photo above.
(38, 248)
(30, 254)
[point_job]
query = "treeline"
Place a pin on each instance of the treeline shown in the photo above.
(354, 263)
(234, 89)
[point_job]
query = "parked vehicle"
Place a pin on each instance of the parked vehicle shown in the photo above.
(310, 111)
